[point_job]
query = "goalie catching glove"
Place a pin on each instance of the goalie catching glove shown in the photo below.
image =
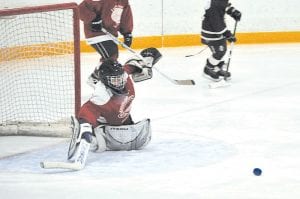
(143, 67)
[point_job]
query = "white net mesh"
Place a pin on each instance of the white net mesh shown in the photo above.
(37, 68)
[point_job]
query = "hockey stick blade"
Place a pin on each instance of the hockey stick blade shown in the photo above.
(184, 82)
(61, 165)
(174, 81)
(191, 55)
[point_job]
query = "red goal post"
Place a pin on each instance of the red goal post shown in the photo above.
(39, 69)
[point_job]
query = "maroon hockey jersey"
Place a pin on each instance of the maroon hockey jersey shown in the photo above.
(107, 107)
(116, 16)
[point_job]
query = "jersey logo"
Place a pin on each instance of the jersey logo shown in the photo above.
(221, 48)
(116, 14)
(125, 107)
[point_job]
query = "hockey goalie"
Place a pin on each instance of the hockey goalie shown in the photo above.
(104, 122)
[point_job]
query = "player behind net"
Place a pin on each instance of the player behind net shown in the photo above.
(114, 16)
(104, 122)
(214, 34)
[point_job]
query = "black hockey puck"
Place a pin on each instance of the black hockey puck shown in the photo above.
(257, 171)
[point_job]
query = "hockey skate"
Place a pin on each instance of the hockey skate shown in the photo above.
(217, 75)
(212, 73)
(223, 71)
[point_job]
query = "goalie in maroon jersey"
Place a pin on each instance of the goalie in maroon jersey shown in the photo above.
(104, 121)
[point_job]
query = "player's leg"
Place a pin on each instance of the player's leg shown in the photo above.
(108, 50)
(214, 64)
(125, 137)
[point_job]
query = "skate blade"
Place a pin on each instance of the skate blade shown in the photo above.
(220, 84)
(210, 78)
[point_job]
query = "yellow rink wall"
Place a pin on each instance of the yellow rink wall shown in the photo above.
(34, 51)
(194, 40)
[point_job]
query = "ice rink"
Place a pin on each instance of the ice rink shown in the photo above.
(205, 142)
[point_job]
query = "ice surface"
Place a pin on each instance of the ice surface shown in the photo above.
(205, 142)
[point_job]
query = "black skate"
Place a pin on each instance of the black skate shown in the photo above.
(223, 71)
(211, 72)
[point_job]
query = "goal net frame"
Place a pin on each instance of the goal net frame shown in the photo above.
(60, 128)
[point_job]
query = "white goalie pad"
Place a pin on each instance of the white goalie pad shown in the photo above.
(124, 137)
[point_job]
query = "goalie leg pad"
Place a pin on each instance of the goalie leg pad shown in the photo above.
(82, 134)
(75, 139)
(126, 137)
(82, 152)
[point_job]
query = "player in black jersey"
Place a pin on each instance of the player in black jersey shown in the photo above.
(214, 34)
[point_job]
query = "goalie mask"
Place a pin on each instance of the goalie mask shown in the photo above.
(112, 75)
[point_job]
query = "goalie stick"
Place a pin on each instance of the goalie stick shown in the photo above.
(77, 153)
(61, 165)
(174, 81)
(78, 164)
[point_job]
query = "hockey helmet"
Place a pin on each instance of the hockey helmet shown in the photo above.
(111, 74)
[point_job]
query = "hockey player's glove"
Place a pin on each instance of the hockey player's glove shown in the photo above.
(140, 71)
(96, 24)
(143, 67)
(151, 56)
(128, 39)
(234, 13)
(229, 36)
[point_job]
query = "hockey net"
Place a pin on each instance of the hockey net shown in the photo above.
(39, 69)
